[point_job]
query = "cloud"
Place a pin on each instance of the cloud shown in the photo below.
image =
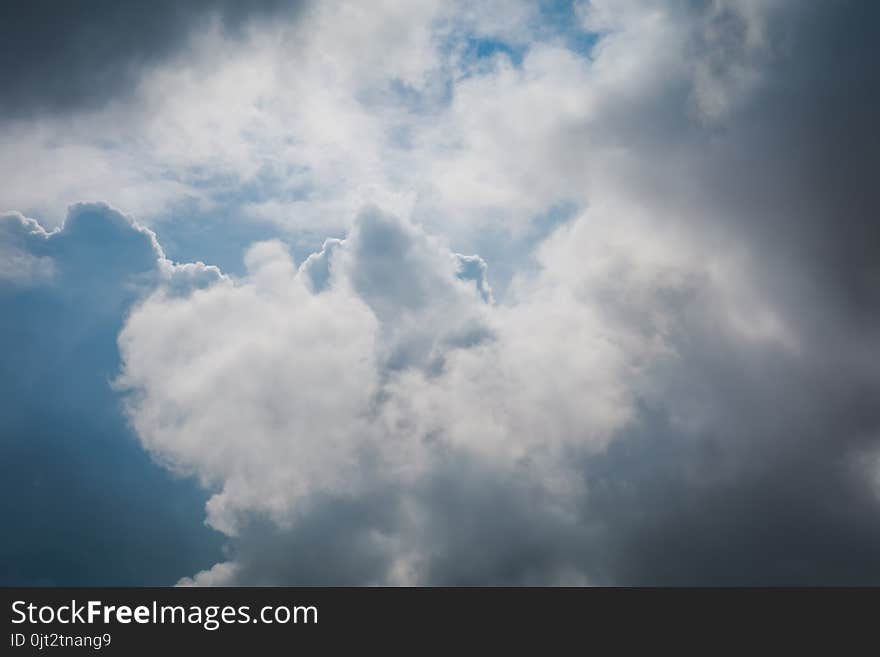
(659, 379)
(670, 378)
(55, 56)
(393, 302)
(353, 413)
(264, 120)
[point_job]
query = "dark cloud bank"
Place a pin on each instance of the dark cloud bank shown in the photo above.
(777, 487)
(58, 57)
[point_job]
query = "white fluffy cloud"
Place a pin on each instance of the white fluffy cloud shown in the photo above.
(277, 392)
(276, 384)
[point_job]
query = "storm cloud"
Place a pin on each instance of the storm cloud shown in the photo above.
(61, 57)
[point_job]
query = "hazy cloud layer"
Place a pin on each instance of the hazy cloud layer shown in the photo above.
(661, 368)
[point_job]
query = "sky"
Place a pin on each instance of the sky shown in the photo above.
(439, 293)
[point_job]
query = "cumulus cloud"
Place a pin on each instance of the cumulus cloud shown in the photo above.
(394, 411)
(298, 405)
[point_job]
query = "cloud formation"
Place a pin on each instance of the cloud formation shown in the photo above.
(620, 394)
(374, 390)
(660, 368)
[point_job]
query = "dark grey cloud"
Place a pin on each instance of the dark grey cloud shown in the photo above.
(338, 542)
(798, 164)
(59, 57)
(776, 485)
(483, 531)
